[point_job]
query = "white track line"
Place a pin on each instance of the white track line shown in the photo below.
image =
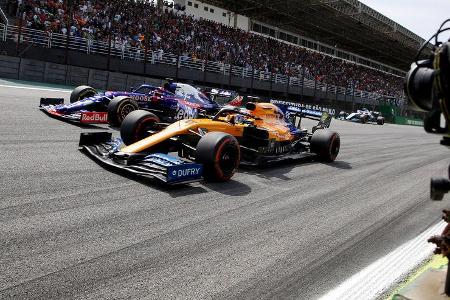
(34, 88)
(380, 276)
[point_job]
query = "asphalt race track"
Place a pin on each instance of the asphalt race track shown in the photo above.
(70, 229)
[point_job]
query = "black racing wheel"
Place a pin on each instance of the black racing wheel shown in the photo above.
(136, 125)
(364, 119)
(380, 121)
(219, 153)
(325, 144)
(81, 92)
(119, 108)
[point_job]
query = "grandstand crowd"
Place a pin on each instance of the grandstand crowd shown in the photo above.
(139, 24)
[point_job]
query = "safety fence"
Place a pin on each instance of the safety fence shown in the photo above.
(125, 52)
(3, 24)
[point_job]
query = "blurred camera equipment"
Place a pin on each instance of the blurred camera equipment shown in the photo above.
(427, 86)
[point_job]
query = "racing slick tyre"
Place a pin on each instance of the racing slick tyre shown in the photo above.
(136, 125)
(342, 115)
(325, 144)
(380, 121)
(119, 108)
(220, 155)
(364, 119)
(81, 92)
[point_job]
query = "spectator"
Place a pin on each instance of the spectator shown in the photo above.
(138, 24)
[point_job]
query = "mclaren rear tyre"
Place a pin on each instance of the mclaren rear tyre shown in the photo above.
(220, 155)
(81, 92)
(136, 125)
(380, 121)
(325, 144)
(119, 108)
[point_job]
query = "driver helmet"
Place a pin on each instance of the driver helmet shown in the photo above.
(238, 119)
(170, 86)
(231, 119)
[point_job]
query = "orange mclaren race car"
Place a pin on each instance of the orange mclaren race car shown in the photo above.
(212, 148)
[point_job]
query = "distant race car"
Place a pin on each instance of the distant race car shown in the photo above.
(212, 148)
(362, 116)
(173, 101)
(227, 97)
(223, 97)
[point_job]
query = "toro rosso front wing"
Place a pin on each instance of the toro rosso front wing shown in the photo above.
(162, 167)
(48, 106)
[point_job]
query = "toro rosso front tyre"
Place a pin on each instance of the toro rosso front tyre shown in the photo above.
(81, 92)
(136, 125)
(325, 144)
(220, 155)
(119, 108)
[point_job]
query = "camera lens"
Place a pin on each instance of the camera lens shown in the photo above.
(419, 85)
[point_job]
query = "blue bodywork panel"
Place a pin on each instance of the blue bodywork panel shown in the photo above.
(177, 170)
(184, 172)
(174, 101)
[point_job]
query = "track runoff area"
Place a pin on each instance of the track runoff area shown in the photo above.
(70, 228)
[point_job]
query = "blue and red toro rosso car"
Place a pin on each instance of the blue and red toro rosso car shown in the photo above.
(173, 101)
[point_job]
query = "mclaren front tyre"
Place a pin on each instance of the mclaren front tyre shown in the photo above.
(219, 153)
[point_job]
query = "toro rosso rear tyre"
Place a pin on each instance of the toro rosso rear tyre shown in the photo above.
(136, 125)
(325, 144)
(220, 155)
(119, 108)
(380, 121)
(81, 92)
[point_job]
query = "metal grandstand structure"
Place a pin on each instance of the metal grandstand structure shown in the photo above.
(39, 38)
(345, 24)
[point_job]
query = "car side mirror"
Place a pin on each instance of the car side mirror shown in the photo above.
(132, 89)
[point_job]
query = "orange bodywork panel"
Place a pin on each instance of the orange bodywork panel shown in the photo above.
(267, 116)
(180, 128)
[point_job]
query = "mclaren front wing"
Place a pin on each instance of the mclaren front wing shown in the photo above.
(162, 167)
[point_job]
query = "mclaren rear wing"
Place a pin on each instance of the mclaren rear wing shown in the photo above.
(294, 110)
